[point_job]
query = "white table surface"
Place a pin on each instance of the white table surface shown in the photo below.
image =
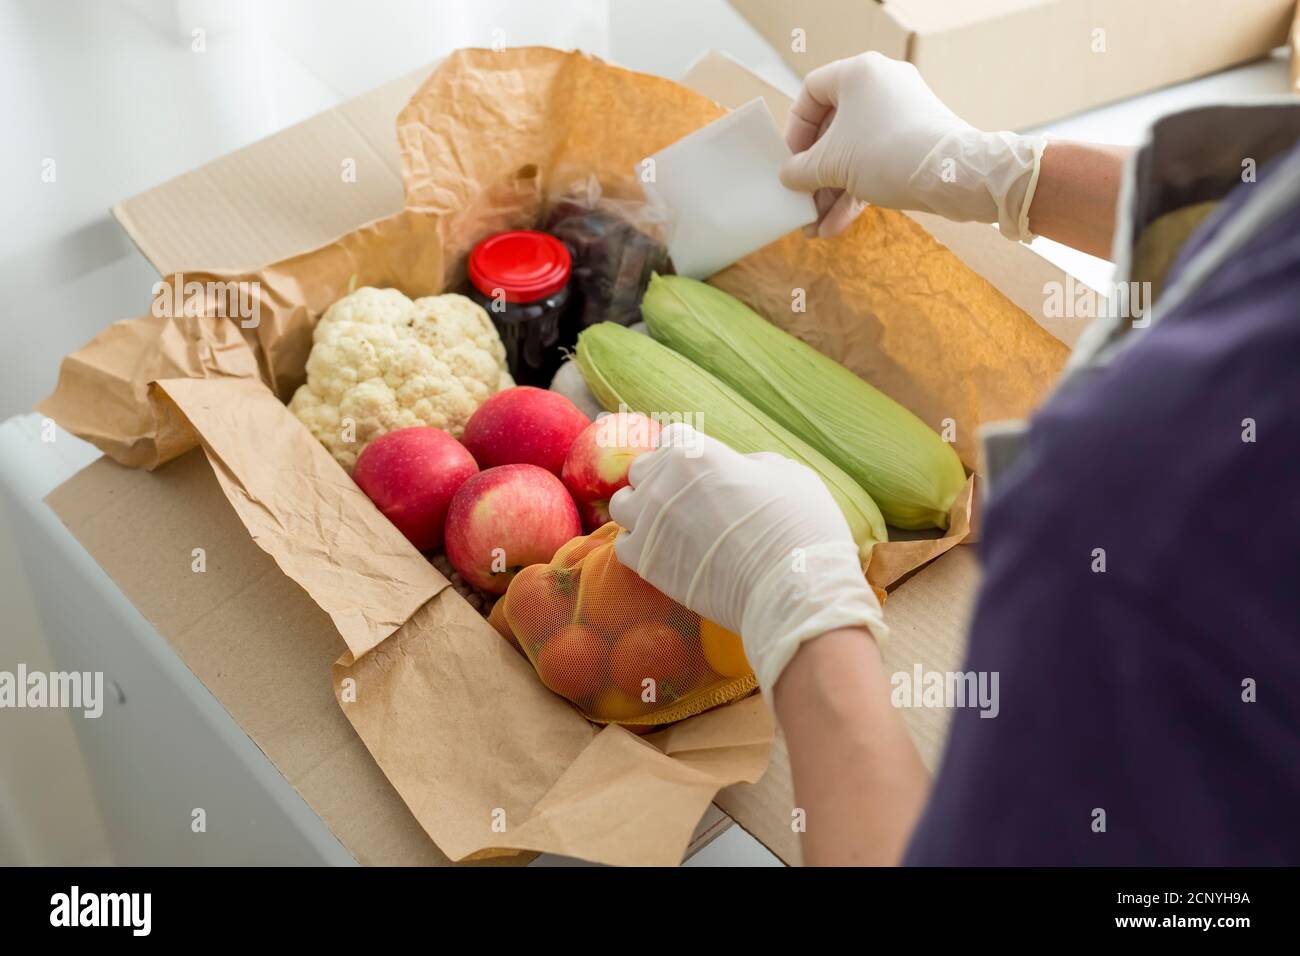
(115, 94)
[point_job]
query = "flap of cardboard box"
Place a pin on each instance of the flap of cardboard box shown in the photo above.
(260, 204)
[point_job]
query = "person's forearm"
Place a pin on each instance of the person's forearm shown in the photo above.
(857, 775)
(1078, 190)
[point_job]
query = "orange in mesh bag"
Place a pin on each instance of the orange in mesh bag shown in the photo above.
(617, 648)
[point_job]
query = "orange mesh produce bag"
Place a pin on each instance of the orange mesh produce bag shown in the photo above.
(621, 651)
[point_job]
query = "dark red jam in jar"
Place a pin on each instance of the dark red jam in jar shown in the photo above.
(521, 278)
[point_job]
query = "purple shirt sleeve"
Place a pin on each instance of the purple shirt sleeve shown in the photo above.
(1122, 691)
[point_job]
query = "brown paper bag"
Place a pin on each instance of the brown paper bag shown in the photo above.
(486, 758)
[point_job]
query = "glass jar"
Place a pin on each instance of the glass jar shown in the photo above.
(521, 278)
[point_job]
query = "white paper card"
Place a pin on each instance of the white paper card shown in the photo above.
(723, 186)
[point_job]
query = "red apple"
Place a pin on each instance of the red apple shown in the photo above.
(411, 475)
(594, 514)
(524, 426)
(598, 461)
(506, 518)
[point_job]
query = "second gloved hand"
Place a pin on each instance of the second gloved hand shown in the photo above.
(868, 129)
(752, 542)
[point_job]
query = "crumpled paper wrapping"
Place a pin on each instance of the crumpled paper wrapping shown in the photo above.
(286, 488)
(103, 392)
(486, 758)
(489, 760)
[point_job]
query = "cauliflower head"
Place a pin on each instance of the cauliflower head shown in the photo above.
(380, 362)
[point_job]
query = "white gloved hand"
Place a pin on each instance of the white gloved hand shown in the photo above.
(755, 543)
(868, 129)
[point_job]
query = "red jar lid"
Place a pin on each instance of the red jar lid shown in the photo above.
(524, 264)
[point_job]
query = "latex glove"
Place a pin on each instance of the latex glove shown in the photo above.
(868, 129)
(755, 543)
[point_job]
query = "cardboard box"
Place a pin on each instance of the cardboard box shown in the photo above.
(260, 642)
(1011, 64)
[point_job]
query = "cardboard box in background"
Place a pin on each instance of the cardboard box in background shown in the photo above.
(250, 634)
(1011, 64)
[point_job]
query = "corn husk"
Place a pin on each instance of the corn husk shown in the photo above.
(910, 472)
